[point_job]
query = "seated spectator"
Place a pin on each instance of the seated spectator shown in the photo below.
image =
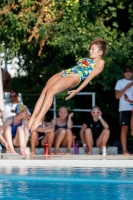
(15, 130)
(43, 134)
(9, 108)
(95, 131)
(4, 143)
(63, 133)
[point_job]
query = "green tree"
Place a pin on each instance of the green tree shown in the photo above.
(48, 36)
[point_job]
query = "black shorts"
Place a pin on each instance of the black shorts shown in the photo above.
(95, 137)
(125, 118)
(40, 137)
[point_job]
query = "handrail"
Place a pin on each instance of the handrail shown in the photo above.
(75, 110)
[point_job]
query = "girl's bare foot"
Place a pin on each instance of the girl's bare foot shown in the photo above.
(68, 153)
(23, 153)
(14, 152)
(31, 120)
(126, 153)
(59, 153)
(89, 153)
(51, 153)
(32, 153)
(35, 124)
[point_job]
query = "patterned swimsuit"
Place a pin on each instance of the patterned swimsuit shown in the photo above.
(83, 68)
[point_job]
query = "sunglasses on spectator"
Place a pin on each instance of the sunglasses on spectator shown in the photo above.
(13, 96)
(95, 112)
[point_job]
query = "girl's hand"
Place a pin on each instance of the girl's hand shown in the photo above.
(72, 93)
(100, 113)
(71, 115)
(6, 145)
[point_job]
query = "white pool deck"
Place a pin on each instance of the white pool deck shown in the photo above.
(79, 160)
(84, 161)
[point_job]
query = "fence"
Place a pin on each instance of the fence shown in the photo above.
(75, 110)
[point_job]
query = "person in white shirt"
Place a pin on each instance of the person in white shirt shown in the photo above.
(9, 108)
(124, 88)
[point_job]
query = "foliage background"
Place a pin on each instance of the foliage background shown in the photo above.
(48, 36)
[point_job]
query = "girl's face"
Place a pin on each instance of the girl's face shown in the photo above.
(63, 113)
(24, 114)
(95, 52)
(95, 113)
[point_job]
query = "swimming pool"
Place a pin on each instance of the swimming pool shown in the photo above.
(66, 183)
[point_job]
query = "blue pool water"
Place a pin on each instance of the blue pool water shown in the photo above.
(66, 183)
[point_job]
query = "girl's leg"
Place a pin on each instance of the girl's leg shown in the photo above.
(26, 134)
(40, 101)
(59, 86)
(19, 139)
(59, 137)
(103, 139)
(8, 137)
(67, 142)
(34, 142)
(89, 140)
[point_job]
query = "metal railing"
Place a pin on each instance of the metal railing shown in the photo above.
(6, 98)
(75, 110)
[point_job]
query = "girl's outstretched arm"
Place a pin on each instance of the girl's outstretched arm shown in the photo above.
(97, 70)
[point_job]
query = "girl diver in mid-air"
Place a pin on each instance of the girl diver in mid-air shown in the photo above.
(84, 70)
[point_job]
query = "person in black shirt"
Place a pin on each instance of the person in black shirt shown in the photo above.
(95, 131)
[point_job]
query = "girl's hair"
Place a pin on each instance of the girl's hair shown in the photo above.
(102, 44)
(61, 108)
(65, 109)
(20, 108)
(96, 107)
